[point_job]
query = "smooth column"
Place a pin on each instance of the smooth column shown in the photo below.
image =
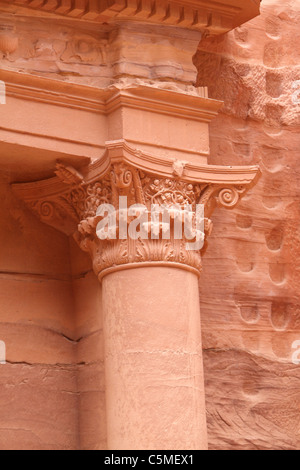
(153, 360)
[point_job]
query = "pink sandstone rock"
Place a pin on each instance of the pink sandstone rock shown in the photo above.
(250, 282)
(54, 390)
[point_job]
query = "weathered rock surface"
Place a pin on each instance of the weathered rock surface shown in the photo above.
(52, 387)
(38, 384)
(250, 301)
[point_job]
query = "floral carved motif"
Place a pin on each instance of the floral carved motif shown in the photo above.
(146, 189)
(68, 175)
(86, 199)
(170, 192)
(70, 203)
(121, 253)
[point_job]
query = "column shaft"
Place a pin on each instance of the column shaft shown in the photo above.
(153, 360)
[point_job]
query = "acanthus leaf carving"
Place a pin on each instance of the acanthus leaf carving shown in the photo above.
(170, 192)
(73, 201)
(86, 199)
(68, 175)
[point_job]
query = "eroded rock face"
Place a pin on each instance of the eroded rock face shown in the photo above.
(93, 55)
(250, 283)
(39, 403)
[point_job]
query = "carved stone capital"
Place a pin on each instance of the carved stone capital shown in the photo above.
(70, 200)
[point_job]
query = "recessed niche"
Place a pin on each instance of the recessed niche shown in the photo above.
(280, 315)
(249, 312)
(274, 238)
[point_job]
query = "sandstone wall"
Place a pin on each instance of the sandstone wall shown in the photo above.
(90, 352)
(38, 384)
(251, 281)
(52, 387)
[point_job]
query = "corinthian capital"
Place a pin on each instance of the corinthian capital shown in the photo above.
(70, 201)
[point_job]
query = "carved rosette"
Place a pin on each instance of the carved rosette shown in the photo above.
(70, 202)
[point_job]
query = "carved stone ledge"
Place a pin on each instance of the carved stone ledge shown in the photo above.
(69, 202)
(215, 17)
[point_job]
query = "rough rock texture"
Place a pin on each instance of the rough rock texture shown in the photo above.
(94, 55)
(52, 385)
(50, 311)
(250, 300)
(38, 384)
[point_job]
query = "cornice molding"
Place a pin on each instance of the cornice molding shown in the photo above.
(215, 17)
(153, 96)
(120, 151)
(51, 91)
(195, 106)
